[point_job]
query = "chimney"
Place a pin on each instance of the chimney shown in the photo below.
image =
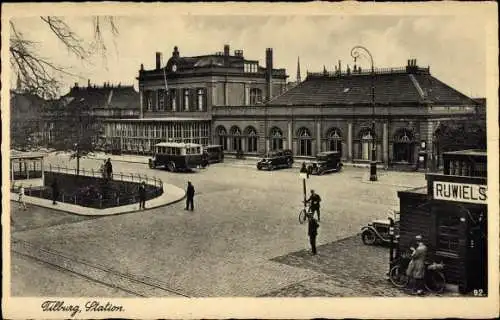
(226, 50)
(269, 73)
(88, 84)
(76, 84)
(340, 67)
(158, 60)
(142, 67)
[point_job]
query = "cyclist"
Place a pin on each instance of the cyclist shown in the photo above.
(314, 199)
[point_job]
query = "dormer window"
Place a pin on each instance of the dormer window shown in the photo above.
(250, 67)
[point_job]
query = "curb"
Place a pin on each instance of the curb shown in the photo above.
(80, 210)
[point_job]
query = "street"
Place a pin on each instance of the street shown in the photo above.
(243, 238)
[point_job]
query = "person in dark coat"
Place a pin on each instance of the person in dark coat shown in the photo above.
(109, 169)
(312, 233)
(142, 195)
(304, 169)
(314, 200)
(190, 196)
(416, 268)
(55, 191)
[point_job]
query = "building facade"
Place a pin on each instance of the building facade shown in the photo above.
(226, 99)
(335, 111)
(177, 98)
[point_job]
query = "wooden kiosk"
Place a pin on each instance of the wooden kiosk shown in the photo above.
(451, 216)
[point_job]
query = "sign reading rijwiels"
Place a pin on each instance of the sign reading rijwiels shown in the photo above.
(460, 192)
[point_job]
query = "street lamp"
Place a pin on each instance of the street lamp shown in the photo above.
(355, 53)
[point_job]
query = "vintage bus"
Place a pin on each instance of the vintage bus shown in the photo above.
(177, 156)
(214, 153)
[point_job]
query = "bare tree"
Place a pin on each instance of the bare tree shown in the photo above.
(38, 74)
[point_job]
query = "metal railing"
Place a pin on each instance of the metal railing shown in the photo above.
(104, 193)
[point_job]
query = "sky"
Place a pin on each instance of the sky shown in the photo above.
(453, 47)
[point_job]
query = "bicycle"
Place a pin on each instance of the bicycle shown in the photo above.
(305, 214)
(434, 279)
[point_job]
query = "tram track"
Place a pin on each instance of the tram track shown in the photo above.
(139, 286)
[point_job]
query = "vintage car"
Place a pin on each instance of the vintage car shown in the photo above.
(325, 162)
(213, 153)
(378, 231)
(276, 159)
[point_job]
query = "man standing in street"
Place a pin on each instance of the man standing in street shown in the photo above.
(55, 191)
(313, 232)
(190, 197)
(314, 199)
(142, 196)
(416, 268)
(109, 169)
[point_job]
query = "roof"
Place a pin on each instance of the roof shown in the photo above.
(122, 97)
(14, 154)
(177, 145)
(166, 119)
(391, 86)
(470, 152)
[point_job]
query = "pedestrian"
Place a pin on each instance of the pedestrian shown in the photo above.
(416, 267)
(313, 226)
(303, 169)
(109, 169)
(190, 197)
(315, 200)
(55, 191)
(103, 169)
(22, 203)
(142, 196)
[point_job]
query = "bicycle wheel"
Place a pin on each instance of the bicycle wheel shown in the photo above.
(302, 216)
(435, 281)
(398, 277)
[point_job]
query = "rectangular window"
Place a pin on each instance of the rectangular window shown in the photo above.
(201, 99)
(186, 99)
(161, 100)
(173, 99)
(149, 101)
(448, 233)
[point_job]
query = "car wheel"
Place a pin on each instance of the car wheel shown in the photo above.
(368, 237)
(151, 165)
(171, 166)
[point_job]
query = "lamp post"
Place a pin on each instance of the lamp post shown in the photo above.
(355, 53)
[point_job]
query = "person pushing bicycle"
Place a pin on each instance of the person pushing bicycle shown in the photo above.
(314, 201)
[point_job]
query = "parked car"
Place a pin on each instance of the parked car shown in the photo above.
(213, 153)
(276, 159)
(328, 161)
(378, 232)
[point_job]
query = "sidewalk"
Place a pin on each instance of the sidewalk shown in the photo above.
(170, 195)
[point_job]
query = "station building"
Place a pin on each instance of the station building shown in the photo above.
(177, 98)
(226, 99)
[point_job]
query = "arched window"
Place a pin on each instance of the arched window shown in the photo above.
(222, 137)
(251, 136)
(255, 96)
(305, 144)
(366, 143)
(236, 138)
(334, 140)
(403, 146)
(276, 139)
(186, 99)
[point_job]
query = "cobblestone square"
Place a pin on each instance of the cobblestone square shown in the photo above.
(243, 239)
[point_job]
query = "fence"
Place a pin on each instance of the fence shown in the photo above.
(91, 189)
